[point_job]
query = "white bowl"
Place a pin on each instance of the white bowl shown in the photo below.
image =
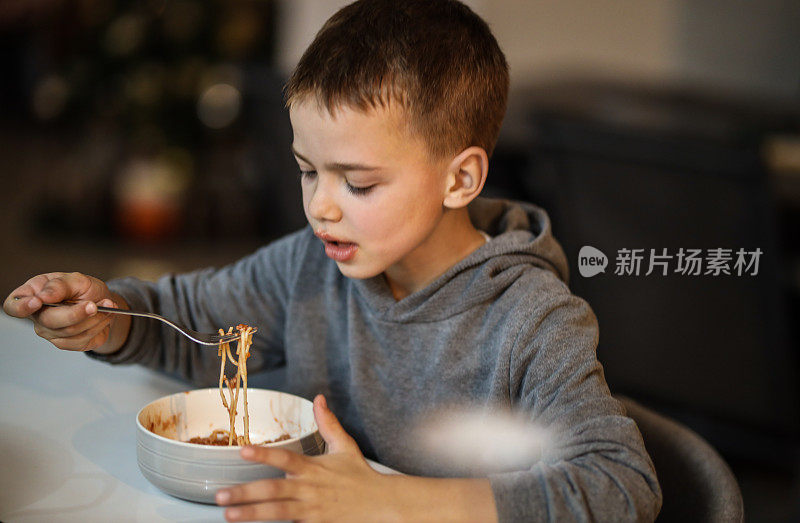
(196, 472)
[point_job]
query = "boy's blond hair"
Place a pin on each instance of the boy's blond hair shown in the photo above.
(436, 59)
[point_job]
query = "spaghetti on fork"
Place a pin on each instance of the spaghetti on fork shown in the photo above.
(235, 384)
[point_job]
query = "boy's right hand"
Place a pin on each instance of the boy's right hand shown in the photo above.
(73, 327)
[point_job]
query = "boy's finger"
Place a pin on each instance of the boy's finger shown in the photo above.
(21, 306)
(35, 284)
(261, 490)
(87, 341)
(64, 286)
(286, 460)
(76, 329)
(330, 429)
(270, 511)
(22, 301)
(63, 316)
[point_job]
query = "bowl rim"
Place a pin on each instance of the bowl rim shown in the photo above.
(221, 448)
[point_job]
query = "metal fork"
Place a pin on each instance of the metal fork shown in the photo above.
(203, 338)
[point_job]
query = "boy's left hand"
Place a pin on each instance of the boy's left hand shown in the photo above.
(339, 485)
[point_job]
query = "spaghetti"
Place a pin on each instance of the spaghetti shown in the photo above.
(239, 382)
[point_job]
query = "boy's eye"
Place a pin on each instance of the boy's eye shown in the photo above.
(358, 191)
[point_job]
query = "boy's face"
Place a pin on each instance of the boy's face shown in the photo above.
(371, 191)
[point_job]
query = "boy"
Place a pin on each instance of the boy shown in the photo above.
(406, 293)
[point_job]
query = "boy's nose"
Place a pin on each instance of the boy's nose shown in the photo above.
(322, 205)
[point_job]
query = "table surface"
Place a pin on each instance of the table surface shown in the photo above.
(68, 437)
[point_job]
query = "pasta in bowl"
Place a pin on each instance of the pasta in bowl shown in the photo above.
(196, 471)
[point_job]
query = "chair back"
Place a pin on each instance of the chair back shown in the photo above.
(696, 483)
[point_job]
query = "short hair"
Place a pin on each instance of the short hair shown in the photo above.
(437, 59)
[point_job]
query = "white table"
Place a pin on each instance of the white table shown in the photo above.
(68, 437)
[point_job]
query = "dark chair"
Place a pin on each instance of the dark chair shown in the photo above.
(696, 482)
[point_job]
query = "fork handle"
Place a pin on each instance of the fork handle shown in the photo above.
(186, 332)
(101, 309)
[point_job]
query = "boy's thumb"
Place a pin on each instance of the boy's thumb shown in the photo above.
(330, 429)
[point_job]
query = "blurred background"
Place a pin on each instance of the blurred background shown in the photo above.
(138, 138)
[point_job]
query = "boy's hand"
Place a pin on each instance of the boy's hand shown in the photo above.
(75, 327)
(341, 486)
(336, 486)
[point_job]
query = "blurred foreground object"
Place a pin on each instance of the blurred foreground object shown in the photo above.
(478, 441)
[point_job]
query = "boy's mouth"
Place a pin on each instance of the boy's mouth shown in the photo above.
(337, 250)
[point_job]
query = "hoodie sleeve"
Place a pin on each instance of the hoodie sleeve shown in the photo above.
(595, 467)
(253, 291)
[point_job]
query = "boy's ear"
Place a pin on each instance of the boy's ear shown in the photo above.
(466, 175)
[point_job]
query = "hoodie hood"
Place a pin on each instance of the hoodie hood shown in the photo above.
(521, 228)
(522, 240)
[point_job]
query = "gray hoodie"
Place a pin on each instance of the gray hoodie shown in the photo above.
(499, 329)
